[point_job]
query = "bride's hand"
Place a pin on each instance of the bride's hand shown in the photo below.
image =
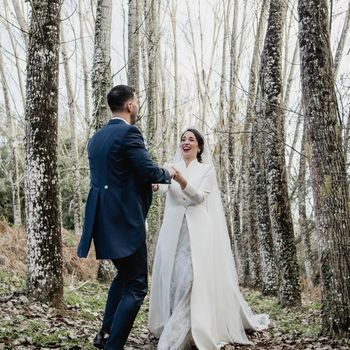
(178, 177)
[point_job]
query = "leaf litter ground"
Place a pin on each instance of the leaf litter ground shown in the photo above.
(26, 324)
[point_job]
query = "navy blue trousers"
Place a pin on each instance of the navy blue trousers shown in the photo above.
(125, 297)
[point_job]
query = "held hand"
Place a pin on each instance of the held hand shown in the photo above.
(170, 168)
(178, 177)
(155, 187)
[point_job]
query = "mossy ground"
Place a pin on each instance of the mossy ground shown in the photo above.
(26, 324)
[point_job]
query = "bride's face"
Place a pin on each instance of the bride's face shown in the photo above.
(189, 145)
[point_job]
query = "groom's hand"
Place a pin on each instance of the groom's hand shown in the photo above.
(171, 169)
(155, 187)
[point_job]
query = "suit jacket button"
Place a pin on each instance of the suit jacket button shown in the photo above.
(106, 186)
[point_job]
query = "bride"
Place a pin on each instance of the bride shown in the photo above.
(195, 296)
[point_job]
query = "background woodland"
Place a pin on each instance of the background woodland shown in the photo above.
(267, 82)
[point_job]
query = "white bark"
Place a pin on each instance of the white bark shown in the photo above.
(45, 280)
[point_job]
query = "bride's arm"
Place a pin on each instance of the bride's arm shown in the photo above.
(199, 195)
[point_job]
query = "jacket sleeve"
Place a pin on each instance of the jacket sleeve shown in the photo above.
(141, 160)
(199, 195)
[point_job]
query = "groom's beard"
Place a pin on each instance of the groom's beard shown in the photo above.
(133, 118)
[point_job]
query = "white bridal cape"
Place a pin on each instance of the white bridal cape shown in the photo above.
(218, 312)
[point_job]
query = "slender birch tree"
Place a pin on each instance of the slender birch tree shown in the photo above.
(14, 45)
(134, 44)
(85, 70)
(173, 16)
(327, 165)
(304, 223)
(21, 21)
(153, 85)
(342, 40)
(231, 122)
(77, 201)
(14, 164)
(45, 280)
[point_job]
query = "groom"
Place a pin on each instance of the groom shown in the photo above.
(120, 195)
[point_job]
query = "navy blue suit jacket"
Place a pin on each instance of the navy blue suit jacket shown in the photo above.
(122, 172)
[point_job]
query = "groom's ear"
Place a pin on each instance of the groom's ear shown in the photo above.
(129, 106)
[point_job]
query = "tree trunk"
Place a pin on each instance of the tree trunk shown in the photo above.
(327, 165)
(14, 48)
(176, 76)
(153, 103)
(134, 45)
(304, 225)
(101, 69)
(87, 116)
(266, 248)
(77, 202)
(21, 21)
(253, 239)
(289, 21)
(341, 44)
(231, 122)
(14, 167)
(153, 66)
(236, 240)
(101, 83)
(291, 76)
(232, 103)
(294, 143)
(45, 281)
(203, 75)
(279, 206)
(244, 187)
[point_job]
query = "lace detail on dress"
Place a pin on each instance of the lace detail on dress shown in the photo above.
(177, 331)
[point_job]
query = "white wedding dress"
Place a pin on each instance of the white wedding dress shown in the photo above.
(195, 295)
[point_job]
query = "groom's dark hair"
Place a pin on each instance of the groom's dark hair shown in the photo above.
(118, 96)
(200, 141)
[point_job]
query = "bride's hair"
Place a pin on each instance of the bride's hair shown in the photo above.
(200, 141)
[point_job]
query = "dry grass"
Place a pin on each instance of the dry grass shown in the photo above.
(13, 254)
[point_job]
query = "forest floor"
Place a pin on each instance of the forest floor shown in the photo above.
(27, 324)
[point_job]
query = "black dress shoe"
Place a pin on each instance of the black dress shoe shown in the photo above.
(100, 340)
